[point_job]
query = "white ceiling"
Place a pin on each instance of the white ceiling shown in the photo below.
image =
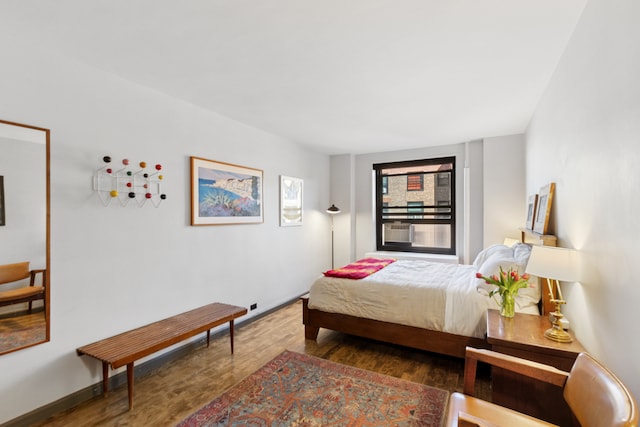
(343, 76)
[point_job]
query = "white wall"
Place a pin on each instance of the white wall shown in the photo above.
(23, 236)
(585, 137)
(342, 195)
(505, 202)
(115, 268)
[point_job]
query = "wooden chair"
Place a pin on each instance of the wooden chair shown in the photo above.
(595, 396)
(10, 273)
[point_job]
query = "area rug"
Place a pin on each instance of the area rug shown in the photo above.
(21, 337)
(300, 390)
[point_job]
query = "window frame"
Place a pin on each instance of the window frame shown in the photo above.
(413, 218)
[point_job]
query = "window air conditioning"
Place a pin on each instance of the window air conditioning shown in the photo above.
(398, 232)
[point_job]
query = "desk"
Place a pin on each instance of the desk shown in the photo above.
(523, 336)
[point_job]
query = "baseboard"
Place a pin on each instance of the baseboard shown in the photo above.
(81, 396)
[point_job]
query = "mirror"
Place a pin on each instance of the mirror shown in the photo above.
(24, 234)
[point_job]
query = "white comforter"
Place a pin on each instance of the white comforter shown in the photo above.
(429, 295)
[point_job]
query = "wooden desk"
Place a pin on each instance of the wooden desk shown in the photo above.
(127, 347)
(523, 336)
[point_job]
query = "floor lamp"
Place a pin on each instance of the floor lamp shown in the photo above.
(332, 210)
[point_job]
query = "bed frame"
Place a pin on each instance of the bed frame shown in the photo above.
(408, 336)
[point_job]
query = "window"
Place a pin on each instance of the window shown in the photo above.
(415, 182)
(415, 209)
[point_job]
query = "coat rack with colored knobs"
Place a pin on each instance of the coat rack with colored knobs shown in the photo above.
(127, 184)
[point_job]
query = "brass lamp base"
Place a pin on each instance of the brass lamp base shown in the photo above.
(558, 334)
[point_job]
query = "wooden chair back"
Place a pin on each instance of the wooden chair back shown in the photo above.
(14, 272)
(10, 273)
(597, 397)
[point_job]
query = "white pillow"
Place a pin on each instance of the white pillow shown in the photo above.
(515, 258)
(486, 253)
(521, 253)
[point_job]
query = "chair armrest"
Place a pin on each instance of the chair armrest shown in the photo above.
(33, 273)
(538, 371)
(466, 420)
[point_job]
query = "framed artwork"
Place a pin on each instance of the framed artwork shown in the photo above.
(223, 193)
(532, 205)
(2, 216)
(543, 211)
(290, 201)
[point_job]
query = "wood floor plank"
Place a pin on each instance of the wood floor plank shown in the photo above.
(179, 388)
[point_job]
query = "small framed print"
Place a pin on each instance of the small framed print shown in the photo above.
(223, 193)
(543, 211)
(290, 201)
(532, 205)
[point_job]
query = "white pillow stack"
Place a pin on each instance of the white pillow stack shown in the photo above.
(489, 261)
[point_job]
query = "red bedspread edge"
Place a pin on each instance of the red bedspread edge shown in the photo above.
(359, 269)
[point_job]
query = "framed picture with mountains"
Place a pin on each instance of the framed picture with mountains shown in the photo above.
(224, 193)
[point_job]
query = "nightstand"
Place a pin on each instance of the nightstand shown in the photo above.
(523, 336)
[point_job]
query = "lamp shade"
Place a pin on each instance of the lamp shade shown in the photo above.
(554, 263)
(333, 209)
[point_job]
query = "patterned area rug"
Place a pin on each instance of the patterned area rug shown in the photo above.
(21, 337)
(299, 390)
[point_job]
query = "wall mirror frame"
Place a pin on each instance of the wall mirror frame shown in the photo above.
(25, 233)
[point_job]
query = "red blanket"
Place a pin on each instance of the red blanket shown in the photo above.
(359, 269)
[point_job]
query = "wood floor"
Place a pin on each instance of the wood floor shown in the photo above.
(177, 389)
(22, 328)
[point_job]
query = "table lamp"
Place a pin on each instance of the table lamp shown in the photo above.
(554, 264)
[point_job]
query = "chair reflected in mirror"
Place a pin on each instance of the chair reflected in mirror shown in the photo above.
(23, 323)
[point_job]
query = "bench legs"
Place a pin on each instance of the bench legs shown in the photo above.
(130, 383)
(105, 381)
(105, 378)
(231, 334)
(105, 370)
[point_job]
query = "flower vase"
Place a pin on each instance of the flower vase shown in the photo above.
(508, 306)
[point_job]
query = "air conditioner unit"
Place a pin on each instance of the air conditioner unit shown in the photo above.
(398, 232)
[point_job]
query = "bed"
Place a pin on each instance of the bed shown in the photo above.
(430, 306)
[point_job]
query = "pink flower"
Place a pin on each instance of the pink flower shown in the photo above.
(506, 282)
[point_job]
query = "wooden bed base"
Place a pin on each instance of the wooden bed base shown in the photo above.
(408, 336)
(411, 336)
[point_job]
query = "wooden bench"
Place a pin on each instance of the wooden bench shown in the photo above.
(127, 347)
